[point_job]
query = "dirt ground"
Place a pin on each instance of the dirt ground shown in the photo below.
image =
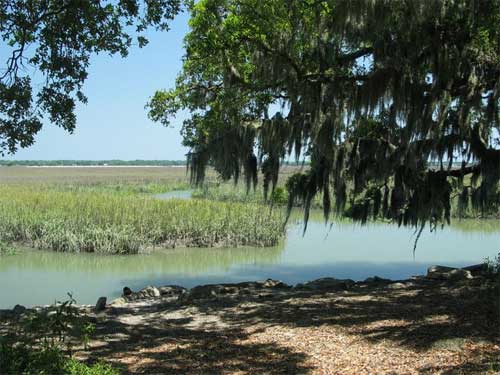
(422, 327)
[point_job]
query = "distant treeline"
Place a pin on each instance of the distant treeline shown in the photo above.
(69, 163)
(55, 163)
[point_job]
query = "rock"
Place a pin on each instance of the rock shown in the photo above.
(151, 291)
(120, 301)
(203, 292)
(184, 299)
(101, 304)
(477, 269)
(459, 274)
(448, 273)
(19, 309)
(252, 285)
(212, 291)
(418, 278)
(327, 283)
(377, 280)
(396, 286)
(270, 283)
(245, 285)
(127, 291)
(434, 271)
(171, 290)
(438, 272)
(146, 293)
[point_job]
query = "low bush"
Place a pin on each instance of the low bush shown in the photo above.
(41, 342)
(6, 248)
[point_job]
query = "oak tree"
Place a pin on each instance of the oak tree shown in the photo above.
(395, 104)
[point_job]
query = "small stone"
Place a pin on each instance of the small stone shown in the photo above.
(150, 291)
(171, 290)
(477, 269)
(101, 304)
(212, 291)
(127, 291)
(438, 272)
(377, 280)
(19, 309)
(203, 292)
(396, 286)
(417, 278)
(448, 273)
(327, 283)
(184, 299)
(120, 301)
(270, 283)
(459, 274)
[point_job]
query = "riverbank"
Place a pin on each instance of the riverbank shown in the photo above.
(445, 322)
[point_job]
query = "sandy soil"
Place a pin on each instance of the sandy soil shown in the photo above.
(414, 327)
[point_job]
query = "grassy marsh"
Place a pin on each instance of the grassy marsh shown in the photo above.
(111, 222)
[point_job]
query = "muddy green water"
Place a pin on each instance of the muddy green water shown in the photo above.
(35, 277)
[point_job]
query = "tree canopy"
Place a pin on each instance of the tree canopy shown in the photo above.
(395, 103)
(53, 40)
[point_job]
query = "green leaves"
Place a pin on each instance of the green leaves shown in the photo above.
(377, 96)
(164, 105)
(56, 39)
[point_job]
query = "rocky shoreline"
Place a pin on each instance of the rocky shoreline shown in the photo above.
(183, 296)
(443, 322)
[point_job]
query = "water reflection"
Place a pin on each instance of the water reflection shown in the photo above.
(175, 194)
(186, 261)
(343, 250)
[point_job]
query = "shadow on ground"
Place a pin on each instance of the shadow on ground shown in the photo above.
(218, 336)
(428, 314)
(170, 346)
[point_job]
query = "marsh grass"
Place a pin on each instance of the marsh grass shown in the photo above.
(111, 222)
(229, 192)
(122, 187)
(6, 249)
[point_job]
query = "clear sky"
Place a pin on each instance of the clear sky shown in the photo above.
(114, 124)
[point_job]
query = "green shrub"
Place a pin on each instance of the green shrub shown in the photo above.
(494, 264)
(23, 359)
(40, 343)
(73, 367)
(45, 360)
(6, 248)
(279, 196)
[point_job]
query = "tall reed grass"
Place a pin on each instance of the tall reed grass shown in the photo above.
(107, 222)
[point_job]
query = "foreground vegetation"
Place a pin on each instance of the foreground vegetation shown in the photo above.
(106, 222)
(42, 342)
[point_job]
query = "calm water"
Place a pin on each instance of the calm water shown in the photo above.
(177, 194)
(34, 277)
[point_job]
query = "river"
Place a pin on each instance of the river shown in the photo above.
(342, 250)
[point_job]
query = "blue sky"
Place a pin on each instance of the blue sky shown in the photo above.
(114, 124)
